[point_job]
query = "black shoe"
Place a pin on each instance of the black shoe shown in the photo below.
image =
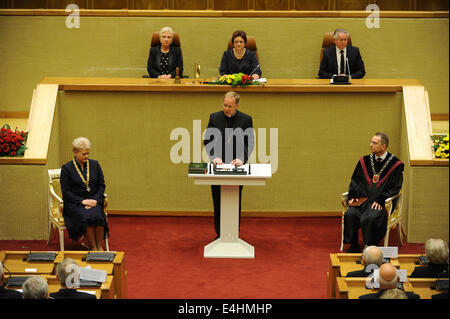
(353, 249)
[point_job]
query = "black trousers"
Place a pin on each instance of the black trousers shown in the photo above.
(372, 222)
(215, 190)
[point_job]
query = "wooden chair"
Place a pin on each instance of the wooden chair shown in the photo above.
(56, 205)
(251, 45)
(328, 41)
(393, 206)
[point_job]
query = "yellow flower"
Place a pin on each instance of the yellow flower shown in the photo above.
(438, 153)
(446, 147)
(229, 80)
(222, 78)
(446, 138)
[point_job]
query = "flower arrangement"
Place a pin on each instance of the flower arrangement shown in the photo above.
(12, 143)
(440, 145)
(237, 79)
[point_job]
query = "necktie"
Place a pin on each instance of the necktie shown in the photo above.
(342, 63)
(379, 159)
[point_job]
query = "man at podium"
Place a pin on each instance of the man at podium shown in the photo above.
(229, 139)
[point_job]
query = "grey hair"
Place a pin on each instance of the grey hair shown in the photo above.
(166, 29)
(234, 95)
(436, 250)
(62, 272)
(35, 288)
(394, 294)
(337, 31)
(371, 258)
(81, 143)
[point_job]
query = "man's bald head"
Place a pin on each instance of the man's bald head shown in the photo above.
(372, 255)
(388, 276)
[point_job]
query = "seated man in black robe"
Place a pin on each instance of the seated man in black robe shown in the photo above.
(376, 177)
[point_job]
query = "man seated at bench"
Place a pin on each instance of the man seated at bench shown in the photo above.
(372, 255)
(388, 280)
(436, 250)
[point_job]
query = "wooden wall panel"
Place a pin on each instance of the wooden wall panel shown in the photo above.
(108, 4)
(312, 5)
(62, 4)
(351, 4)
(431, 5)
(30, 4)
(190, 4)
(394, 5)
(231, 4)
(272, 5)
(150, 4)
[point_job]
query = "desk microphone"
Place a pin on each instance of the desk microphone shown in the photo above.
(249, 171)
(348, 67)
(254, 70)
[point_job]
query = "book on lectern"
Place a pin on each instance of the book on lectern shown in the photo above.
(198, 168)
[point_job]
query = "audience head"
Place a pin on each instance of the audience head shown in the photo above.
(394, 294)
(436, 250)
(166, 36)
(341, 38)
(239, 39)
(379, 143)
(372, 255)
(388, 276)
(63, 271)
(35, 287)
(81, 147)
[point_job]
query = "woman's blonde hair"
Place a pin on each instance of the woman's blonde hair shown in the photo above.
(81, 143)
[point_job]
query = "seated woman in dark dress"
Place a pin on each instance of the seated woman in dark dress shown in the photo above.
(83, 186)
(437, 252)
(239, 59)
(164, 59)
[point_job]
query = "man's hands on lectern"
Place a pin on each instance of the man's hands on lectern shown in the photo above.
(237, 162)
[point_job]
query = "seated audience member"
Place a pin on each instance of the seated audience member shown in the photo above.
(437, 252)
(7, 293)
(239, 59)
(35, 288)
(388, 280)
(164, 59)
(394, 294)
(68, 286)
(83, 187)
(334, 60)
(372, 255)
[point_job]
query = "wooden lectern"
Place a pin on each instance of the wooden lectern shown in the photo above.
(229, 245)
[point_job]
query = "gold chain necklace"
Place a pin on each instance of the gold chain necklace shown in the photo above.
(85, 181)
(376, 176)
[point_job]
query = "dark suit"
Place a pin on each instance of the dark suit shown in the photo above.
(9, 293)
(378, 294)
(154, 61)
(430, 271)
(329, 63)
(358, 273)
(228, 142)
(64, 293)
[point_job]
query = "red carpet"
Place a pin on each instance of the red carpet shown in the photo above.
(164, 257)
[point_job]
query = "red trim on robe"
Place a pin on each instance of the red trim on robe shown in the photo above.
(364, 168)
(389, 172)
